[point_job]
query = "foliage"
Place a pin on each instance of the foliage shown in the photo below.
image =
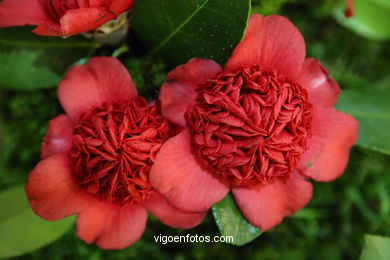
(376, 247)
(230, 222)
(183, 29)
(372, 110)
(370, 19)
(21, 231)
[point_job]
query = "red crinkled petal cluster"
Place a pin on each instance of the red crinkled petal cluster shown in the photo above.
(97, 158)
(61, 17)
(114, 147)
(260, 126)
(250, 126)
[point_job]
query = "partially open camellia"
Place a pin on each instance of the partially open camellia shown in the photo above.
(61, 17)
(96, 158)
(260, 127)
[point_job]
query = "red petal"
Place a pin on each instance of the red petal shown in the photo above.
(273, 43)
(196, 71)
(22, 12)
(111, 226)
(179, 93)
(169, 215)
(48, 29)
(51, 189)
(323, 90)
(119, 6)
(266, 206)
(58, 138)
(178, 176)
(84, 3)
(99, 3)
(349, 12)
(84, 20)
(334, 133)
(176, 98)
(102, 80)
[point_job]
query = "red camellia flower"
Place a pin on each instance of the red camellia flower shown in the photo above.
(61, 17)
(260, 127)
(96, 159)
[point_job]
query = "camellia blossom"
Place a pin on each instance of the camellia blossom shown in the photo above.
(260, 127)
(97, 157)
(61, 17)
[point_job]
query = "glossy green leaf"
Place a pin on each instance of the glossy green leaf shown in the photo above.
(29, 61)
(179, 30)
(230, 222)
(21, 231)
(376, 248)
(371, 18)
(372, 110)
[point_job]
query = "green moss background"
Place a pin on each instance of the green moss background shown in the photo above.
(332, 226)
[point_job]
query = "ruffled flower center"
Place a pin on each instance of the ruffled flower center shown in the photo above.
(114, 147)
(250, 126)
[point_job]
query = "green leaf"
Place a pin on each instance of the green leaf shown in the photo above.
(21, 231)
(29, 61)
(372, 110)
(371, 18)
(230, 222)
(267, 7)
(18, 71)
(179, 30)
(376, 248)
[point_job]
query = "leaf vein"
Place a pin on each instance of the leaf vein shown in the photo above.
(177, 30)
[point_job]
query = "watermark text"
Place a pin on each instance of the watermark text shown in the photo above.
(188, 238)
